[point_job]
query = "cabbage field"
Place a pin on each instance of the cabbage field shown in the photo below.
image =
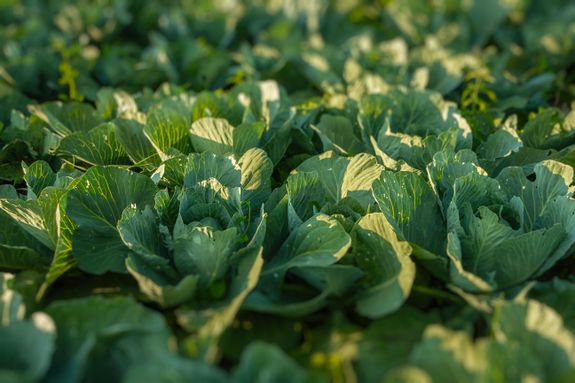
(287, 191)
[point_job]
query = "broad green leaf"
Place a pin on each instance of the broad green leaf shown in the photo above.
(84, 325)
(14, 238)
(447, 166)
(493, 251)
(26, 349)
(247, 136)
(256, 169)
(372, 114)
(66, 175)
(345, 177)
(208, 104)
(416, 151)
(448, 356)
(336, 133)
(160, 289)
(511, 362)
(387, 342)
(151, 264)
(266, 363)
(409, 204)
(483, 236)
(278, 137)
(30, 217)
(385, 260)
(209, 323)
(8, 192)
(305, 195)
(113, 358)
(67, 118)
(214, 135)
(98, 146)
(557, 294)
(116, 103)
(499, 144)
(203, 166)
(11, 157)
(63, 260)
(552, 179)
(459, 276)
(261, 101)
(319, 241)
(549, 129)
(171, 172)
(528, 341)
(140, 231)
(360, 173)
(473, 189)
(130, 135)
(278, 231)
(417, 112)
(38, 176)
(525, 157)
(541, 331)
(329, 282)
(167, 206)
(49, 201)
(203, 251)
(211, 204)
(167, 127)
(530, 251)
(95, 204)
(30, 230)
(20, 258)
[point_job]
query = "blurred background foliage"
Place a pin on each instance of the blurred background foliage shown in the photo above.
(69, 49)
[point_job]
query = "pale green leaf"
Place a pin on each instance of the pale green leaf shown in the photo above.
(386, 263)
(214, 135)
(256, 169)
(167, 127)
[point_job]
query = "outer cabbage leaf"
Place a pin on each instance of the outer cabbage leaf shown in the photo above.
(267, 363)
(550, 129)
(167, 127)
(90, 329)
(337, 134)
(95, 204)
(409, 204)
(98, 146)
(308, 252)
(389, 271)
(345, 177)
(26, 349)
(69, 117)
